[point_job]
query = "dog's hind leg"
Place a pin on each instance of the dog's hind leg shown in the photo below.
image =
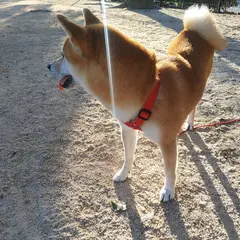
(190, 120)
(169, 154)
(129, 138)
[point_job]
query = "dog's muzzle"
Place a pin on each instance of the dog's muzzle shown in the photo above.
(65, 81)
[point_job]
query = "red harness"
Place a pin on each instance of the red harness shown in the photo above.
(145, 113)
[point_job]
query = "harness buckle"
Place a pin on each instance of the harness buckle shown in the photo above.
(144, 114)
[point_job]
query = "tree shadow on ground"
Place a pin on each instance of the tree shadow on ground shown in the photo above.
(226, 57)
(163, 19)
(35, 121)
(195, 138)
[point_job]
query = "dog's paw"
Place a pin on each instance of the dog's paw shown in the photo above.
(189, 126)
(166, 195)
(186, 127)
(120, 176)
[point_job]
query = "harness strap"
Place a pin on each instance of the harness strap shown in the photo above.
(145, 113)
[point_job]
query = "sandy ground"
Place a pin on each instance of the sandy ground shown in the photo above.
(59, 150)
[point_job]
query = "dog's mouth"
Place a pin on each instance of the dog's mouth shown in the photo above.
(65, 82)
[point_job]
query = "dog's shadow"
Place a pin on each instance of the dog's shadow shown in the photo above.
(124, 193)
(171, 212)
(221, 210)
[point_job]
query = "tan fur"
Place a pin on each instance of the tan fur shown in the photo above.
(182, 75)
(125, 53)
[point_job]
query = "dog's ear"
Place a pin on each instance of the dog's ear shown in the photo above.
(89, 17)
(71, 28)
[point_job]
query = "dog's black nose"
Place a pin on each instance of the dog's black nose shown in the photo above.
(49, 66)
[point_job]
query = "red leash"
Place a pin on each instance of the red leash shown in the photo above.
(214, 124)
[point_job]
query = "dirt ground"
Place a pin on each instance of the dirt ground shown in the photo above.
(60, 150)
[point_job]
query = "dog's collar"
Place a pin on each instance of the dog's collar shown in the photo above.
(145, 113)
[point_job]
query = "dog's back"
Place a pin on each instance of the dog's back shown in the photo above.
(184, 74)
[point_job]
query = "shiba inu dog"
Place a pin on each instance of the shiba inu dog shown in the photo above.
(180, 79)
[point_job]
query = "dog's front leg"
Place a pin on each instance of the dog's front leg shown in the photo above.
(169, 154)
(129, 138)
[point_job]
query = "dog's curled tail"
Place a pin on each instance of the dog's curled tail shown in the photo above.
(199, 19)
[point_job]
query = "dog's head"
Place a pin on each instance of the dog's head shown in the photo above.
(78, 49)
(84, 59)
